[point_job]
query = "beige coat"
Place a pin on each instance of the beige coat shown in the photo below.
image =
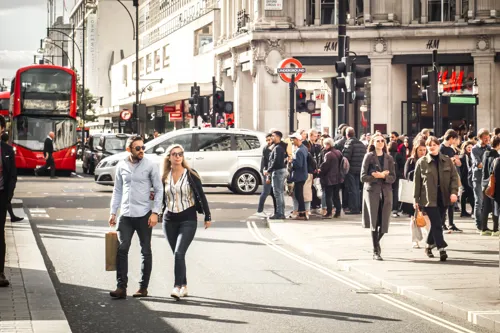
(308, 193)
(373, 188)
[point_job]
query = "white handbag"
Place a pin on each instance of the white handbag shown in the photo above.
(319, 189)
(406, 189)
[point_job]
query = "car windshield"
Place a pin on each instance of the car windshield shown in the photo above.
(31, 132)
(115, 143)
(4, 103)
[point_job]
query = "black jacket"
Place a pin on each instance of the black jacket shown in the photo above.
(409, 171)
(48, 147)
(266, 152)
(340, 144)
(354, 151)
(277, 158)
(496, 171)
(9, 169)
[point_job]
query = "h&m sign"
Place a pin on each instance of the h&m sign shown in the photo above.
(331, 46)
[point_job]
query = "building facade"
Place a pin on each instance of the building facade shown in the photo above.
(108, 33)
(56, 44)
(176, 45)
(393, 38)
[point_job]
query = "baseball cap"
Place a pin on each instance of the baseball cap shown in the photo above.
(295, 136)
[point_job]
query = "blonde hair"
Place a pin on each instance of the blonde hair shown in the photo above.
(371, 145)
(167, 164)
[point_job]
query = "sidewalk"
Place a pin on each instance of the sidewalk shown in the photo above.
(465, 286)
(30, 303)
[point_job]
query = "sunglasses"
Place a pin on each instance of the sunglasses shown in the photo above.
(181, 154)
(139, 148)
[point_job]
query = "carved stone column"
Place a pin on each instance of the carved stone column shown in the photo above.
(424, 9)
(484, 8)
(352, 12)
(317, 12)
(367, 11)
(380, 12)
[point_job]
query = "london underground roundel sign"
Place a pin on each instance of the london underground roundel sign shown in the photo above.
(285, 71)
(125, 115)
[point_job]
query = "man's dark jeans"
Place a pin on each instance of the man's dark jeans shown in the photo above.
(3, 216)
(351, 183)
(332, 199)
(179, 236)
(298, 192)
(126, 228)
(48, 163)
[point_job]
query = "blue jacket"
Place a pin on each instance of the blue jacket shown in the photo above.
(299, 165)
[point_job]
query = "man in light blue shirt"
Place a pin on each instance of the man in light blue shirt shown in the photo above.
(134, 178)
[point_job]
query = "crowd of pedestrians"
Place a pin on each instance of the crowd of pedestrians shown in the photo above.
(324, 176)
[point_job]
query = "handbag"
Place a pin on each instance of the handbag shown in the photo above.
(490, 189)
(111, 246)
(420, 219)
(317, 186)
(406, 189)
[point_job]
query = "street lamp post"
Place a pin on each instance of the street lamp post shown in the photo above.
(137, 100)
(42, 50)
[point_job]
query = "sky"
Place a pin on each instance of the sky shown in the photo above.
(22, 24)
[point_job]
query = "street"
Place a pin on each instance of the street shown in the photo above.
(240, 278)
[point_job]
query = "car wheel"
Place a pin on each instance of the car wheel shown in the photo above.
(245, 182)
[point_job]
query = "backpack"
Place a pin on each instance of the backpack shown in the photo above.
(343, 168)
(490, 189)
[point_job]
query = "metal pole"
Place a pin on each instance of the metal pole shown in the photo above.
(136, 109)
(291, 111)
(195, 97)
(214, 91)
(342, 31)
(435, 66)
(83, 79)
(73, 51)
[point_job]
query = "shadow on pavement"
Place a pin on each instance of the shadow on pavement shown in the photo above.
(284, 310)
(451, 261)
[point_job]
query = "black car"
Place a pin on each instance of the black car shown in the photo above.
(90, 153)
(110, 144)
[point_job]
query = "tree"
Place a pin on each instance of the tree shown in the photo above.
(89, 101)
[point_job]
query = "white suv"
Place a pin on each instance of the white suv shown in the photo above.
(222, 157)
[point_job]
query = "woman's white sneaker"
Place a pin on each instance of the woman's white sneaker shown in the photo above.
(176, 293)
(184, 291)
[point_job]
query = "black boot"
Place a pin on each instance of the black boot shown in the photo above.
(376, 246)
(442, 255)
(428, 252)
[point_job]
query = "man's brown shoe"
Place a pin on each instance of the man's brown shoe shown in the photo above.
(118, 293)
(142, 292)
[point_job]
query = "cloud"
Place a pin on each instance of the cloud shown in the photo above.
(10, 61)
(9, 4)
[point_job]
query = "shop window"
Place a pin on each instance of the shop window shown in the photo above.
(441, 10)
(149, 63)
(141, 67)
(166, 56)
(328, 12)
(157, 60)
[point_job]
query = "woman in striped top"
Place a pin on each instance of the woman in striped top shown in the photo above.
(183, 198)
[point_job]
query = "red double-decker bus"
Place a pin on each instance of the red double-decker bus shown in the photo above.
(43, 100)
(4, 106)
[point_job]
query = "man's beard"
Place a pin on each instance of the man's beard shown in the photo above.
(135, 158)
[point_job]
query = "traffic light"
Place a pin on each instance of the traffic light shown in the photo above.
(429, 87)
(343, 68)
(219, 102)
(359, 79)
(194, 109)
(228, 107)
(300, 100)
(204, 108)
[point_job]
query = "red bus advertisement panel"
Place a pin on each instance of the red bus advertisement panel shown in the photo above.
(43, 101)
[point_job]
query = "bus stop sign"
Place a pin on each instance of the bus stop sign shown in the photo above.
(284, 71)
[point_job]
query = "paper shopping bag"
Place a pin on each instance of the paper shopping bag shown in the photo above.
(406, 189)
(111, 250)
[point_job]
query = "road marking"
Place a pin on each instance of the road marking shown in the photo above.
(90, 220)
(37, 210)
(77, 175)
(51, 208)
(472, 315)
(69, 200)
(59, 219)
(39, 215)
(254, 230)
(218, 208)
(45, 193)
(80, 208)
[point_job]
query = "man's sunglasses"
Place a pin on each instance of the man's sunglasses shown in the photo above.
(139, 148)
(181, 154)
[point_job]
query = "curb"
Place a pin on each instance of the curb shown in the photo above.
(46, 313)
(423, 295)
